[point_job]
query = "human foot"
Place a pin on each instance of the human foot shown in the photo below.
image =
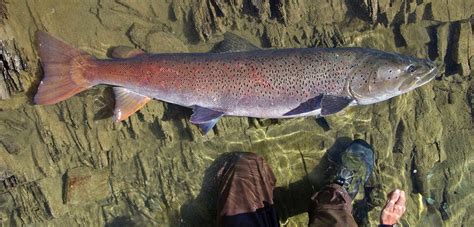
(354, 166)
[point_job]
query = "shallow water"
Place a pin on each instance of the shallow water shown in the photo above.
(70, 164)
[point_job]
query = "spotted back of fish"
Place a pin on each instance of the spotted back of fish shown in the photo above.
(265, 80)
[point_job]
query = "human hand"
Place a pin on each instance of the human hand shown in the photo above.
(394, 209)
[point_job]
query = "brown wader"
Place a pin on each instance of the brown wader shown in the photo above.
(246, 185)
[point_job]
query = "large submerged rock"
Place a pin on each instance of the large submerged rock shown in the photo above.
(12, 67)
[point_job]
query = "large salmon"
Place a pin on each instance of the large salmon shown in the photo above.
(272, 83)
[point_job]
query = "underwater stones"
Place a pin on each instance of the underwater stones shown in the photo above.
(177, 10)
(8, 145)
(471, 101)
(12, 64)
(209, 16)
(452, 10)
(231, 125)
(137, 34)
(289, 12)
(163, 42)
(442, 33)
(389, 10)
(371, 8)
(455, 44)
(275, 34)
(52, 189)
(203, 20)
(420, 11)
(463, 40)
(324, 12)
(6, 204)
(8, 180)
(262, 7)
(31, 204)
(444, 210)
(378, 38)
(85, 185)
(415, 35)
(12, 132)
(3, 10)
(155, 41)
(425, 157)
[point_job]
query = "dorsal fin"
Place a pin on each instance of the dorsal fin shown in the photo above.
(127, 102)
(233, 43)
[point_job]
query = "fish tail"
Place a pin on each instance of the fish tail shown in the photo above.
(64, 67)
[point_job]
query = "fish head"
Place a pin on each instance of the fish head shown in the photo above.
(382, 76)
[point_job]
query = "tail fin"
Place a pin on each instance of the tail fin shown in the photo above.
(63, 67)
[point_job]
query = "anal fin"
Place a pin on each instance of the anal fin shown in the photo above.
(127, 102)
(205, 118)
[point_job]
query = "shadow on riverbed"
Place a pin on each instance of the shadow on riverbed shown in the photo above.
(290, 200)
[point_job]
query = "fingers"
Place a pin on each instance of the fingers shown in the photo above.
(401, 203)
(401, 200)
(394, 209)
(392, 199)
(394, 196)
(389, 206)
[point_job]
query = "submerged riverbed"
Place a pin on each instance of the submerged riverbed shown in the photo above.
(70, 164)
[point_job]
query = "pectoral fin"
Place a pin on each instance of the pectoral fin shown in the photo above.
(127, 102)
(205, 118)
(331, 104)
(305, 107)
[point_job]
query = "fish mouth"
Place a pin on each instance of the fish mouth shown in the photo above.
(427, 77)
(419, 80)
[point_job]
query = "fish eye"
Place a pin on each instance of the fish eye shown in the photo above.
(411, 69)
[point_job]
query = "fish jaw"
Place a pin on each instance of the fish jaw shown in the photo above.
(419, 80)
(427, 77)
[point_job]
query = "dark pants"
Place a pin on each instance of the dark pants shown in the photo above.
(246, 185)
